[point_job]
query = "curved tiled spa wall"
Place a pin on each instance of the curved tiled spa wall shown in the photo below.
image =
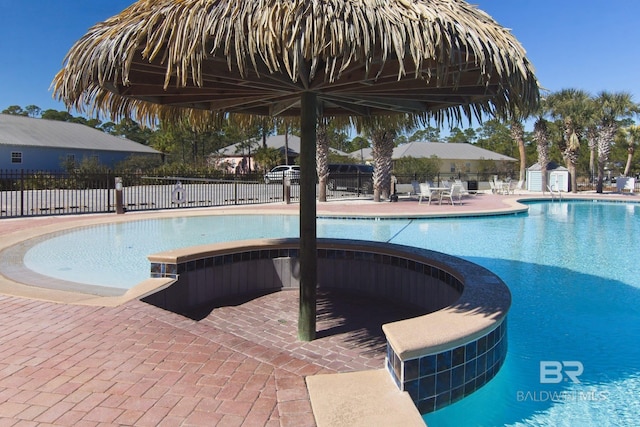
(211, 273)
(438, 358)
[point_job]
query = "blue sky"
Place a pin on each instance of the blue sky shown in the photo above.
(589, 45)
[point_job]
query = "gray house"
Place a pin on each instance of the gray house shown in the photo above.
(454, 157)
(240, 154)
(44, 145)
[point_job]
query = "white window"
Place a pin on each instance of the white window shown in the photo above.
(16, 157)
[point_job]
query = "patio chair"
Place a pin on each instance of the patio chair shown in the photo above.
(452, 194)
(463, 191)
(425, 191)
(416, 187)
(517, 188)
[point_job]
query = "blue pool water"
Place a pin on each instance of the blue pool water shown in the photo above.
(572, 268)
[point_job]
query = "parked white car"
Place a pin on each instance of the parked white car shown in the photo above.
(278, 173)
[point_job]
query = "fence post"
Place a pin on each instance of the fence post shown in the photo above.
(119, 205)
(21, 192)
(235, 190)
(108, 186)
(287, 190)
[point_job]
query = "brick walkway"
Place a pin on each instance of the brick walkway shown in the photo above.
(140, 365)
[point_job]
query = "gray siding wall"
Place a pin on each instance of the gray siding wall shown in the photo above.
(51, 159)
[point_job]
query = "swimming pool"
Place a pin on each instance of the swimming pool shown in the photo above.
(572, 269)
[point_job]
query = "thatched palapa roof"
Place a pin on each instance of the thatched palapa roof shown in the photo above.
(433, 58)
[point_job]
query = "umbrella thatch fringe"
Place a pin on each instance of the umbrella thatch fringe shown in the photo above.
(440, 38)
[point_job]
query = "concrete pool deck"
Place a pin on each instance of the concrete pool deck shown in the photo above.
(75, 359)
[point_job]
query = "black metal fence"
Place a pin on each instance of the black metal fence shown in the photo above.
(36, 193)
(26, 193)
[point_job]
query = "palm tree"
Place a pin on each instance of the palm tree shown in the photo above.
(517, 133)
(592, 143)
(382, 131)
(570, 105)
(541, 136)
(611, 108)
(632, 134)
(382, 141)
(322, 159)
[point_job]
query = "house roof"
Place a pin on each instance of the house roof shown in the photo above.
(27, 131)
(274, 141)
(551, 166)
(442, 150)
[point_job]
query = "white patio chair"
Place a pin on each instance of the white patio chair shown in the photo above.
(463, 191)
(517, 188)
(425, 192)
(452, 194)
(416, 187)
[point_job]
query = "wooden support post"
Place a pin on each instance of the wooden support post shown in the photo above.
(308, 243)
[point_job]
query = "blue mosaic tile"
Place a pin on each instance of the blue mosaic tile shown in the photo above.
(412, 387)
(471, 351)
(457, 394)
(443, 360)
(482, 345)
(443, 400)
(443, 381)
(450, 375)
(457, 376)
(469, 387)
(458, 356)
(427, 386)
(171, 270)
(470, 369)
(427, 365)
(427, 405)
(411, 369)
(156, 268)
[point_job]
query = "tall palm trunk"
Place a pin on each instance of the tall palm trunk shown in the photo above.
(592, 141)
(630, 151)
(571, 150)
(541, 136)
(606, 134)
(322, 160)
(633, 135)
(517, 133)
(382, 142)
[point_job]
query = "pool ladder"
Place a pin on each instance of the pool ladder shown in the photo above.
(557, 192)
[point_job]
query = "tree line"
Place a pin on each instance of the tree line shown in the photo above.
(589, 134)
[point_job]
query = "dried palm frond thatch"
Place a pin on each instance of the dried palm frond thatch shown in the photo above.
(197, 59)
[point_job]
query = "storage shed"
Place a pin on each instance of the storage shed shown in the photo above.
(557, 177)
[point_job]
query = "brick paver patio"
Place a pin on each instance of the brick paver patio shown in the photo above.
(139, 365)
